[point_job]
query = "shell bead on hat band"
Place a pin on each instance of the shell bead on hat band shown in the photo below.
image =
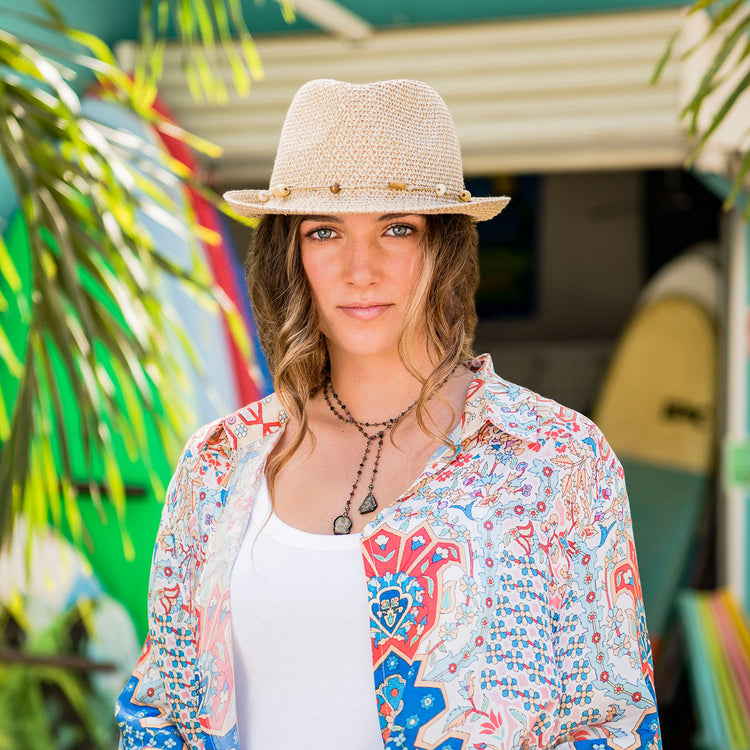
(284, 191)
(388, 146)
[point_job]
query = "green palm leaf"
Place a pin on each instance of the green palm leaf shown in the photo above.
(205, 29)
(82, 188)
(730, 24)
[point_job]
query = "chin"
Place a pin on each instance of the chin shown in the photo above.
(364, 347)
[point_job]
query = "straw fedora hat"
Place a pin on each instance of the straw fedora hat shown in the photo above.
(389, 146)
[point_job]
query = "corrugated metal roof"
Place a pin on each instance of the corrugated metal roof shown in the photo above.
(535, 95)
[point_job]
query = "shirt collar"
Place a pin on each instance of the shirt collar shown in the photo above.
(509, 407)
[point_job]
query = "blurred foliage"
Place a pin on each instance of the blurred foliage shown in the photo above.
(730, 25)
(82, 188)
(204, 29)
(44, 703)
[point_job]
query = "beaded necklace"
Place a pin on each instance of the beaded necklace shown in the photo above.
(343, 524)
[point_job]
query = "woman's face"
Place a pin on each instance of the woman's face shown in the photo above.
(361, 269)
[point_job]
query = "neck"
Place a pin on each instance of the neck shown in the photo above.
(375, 389)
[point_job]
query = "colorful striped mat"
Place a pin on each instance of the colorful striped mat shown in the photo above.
(718, 642)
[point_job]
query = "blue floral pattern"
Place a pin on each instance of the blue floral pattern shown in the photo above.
(505, 603)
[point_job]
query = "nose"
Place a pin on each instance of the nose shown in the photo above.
(362, 261)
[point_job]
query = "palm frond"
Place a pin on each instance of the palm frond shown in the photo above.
(206, 30)
(92, 282)
(84, 191)
(730, 25)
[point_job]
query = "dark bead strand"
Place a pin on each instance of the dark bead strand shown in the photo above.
(343, 524)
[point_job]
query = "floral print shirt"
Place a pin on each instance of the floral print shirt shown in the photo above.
(505, 604)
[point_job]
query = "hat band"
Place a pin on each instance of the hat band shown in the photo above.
(281, 190)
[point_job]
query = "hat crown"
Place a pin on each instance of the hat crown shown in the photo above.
(368, 134)
(383, 147)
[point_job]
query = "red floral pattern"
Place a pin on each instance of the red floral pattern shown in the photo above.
(506, 607)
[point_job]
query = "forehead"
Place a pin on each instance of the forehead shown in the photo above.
(360, 219)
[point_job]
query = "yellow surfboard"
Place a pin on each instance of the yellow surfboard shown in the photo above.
(657, 408)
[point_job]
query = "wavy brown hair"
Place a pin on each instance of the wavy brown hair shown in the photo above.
(441, 306)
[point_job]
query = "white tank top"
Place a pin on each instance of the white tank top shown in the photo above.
(301, 634)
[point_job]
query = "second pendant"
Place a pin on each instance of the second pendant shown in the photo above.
(369, 504)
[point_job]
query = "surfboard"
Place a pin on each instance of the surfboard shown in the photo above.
(265, 383)
(247, 373)
(213, 393)
(212, 388)
(657, 408)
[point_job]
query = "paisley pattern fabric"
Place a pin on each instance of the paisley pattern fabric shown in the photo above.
(505, 604)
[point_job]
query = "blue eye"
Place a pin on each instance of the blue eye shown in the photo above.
(400, 230)
(321, 233)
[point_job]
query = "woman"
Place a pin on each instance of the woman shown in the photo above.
(396, 511)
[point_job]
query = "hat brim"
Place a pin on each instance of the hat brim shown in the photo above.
(255, 203)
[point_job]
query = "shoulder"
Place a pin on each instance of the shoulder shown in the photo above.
(251, 423)
(553, 431)
(567, 453)
(569, 430)
(210, 452)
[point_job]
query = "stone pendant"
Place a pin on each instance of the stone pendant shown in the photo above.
(342, 525)
(368, 504)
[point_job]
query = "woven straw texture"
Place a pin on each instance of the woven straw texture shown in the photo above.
(389, 146)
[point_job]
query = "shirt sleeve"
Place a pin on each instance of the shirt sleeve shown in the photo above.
(145, 708)
(143, 713)
(602, 648)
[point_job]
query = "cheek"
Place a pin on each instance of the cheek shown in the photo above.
(315, 274)
(320, 284)
(412, 269)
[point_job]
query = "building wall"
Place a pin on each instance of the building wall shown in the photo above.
(589, 273)
(590, 266)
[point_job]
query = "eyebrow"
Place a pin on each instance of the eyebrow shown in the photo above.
(333, 219)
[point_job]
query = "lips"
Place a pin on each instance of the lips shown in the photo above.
(365, 311)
